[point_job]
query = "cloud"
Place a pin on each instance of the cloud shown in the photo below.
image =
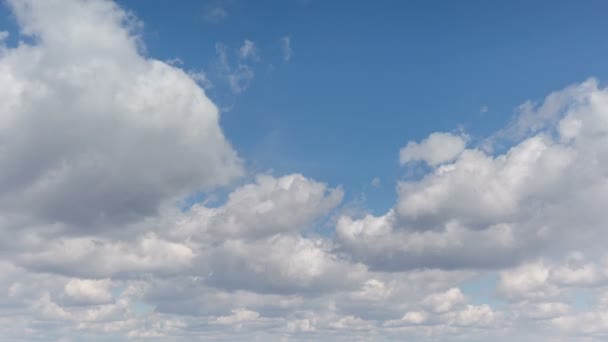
(200, 76)
(99, 143)
(238, 316)
(248, 50)
(519, 204)
(382, 244)
(89, 291)
(239, 75)
(215, 14)
(286, 48)
(108, 151)
(375, 182)
(444, 301)
(99, 257)
(262, 209)
(434, 150)
(527, 281)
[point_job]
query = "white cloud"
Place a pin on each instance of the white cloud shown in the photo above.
(444, 301)
(473, 315)
(527, 281)
(248, 50)
(542, 310)
(434, 150)
(264, 208)
(201, 78)
(237, 316)
(542, 196)
(414, 317)
(99, 257)
(107, 151)
(215, 14)
(89, 290)
(382, 244)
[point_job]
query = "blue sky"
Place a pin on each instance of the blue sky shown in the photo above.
(365, 78)
(303, 170)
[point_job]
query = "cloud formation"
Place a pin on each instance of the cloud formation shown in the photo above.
(99, 145)
(92, 131)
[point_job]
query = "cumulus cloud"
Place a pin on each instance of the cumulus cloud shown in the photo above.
(540, 195)
(382, 244)
(108, 151)
(99, 143)
(434, 150)
(99, 257)
(89, 290)
(444, 301)
(264, 208)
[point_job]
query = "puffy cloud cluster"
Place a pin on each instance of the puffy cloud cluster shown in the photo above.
(542, 195)
(542, 199)
(99, 145)
(92, 131)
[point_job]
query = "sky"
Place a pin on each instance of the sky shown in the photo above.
(303, 170)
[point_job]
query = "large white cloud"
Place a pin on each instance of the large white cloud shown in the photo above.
(542, 196)
(92, 131)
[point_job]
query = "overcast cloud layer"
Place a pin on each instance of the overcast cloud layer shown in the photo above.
(100, 145)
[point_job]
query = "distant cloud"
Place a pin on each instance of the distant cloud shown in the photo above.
(238, 75)
(176, 61)
(201, 78)
(286, 48)
(375, 182)
(215, 14)
(248, 50)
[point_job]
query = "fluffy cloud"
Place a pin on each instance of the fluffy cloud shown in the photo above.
(541, 196)
(88, 290)
(383, 245)
(99, 144)
(443, 302)
(98, 257)
(434, 150)
(264, 208)
(527, 281)
(93, 131)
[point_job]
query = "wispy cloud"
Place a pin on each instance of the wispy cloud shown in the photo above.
(215, 14)
(238, 74)
(248, 50)
(286, 49)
